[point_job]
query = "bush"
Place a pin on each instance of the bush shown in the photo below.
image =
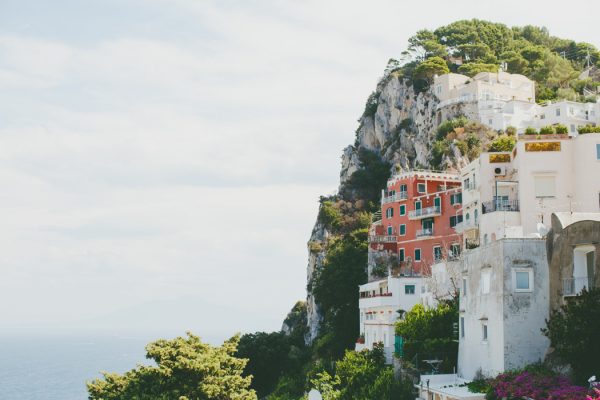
(588, 129)
(561, 129)
(511, 131)
(449, 125)
(536, 384)
(530, 131)
(547, 130)
(502, 143)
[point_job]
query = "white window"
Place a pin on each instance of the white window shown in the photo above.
(484, 332)
(485, 282)
(389, 213)
(421, 187)
(523, 279)
(545, 186)
(409, 289)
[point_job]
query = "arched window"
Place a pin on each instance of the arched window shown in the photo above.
(389, 213)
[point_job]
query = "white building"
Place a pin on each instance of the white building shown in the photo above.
(379, 303)
(503, 307)
(445, 387)
(515, 191)
(569, 113)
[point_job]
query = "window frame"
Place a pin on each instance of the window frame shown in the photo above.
(419, 186)
(529, 271)
(420, 255)
(402, 230)
(413, 286)
(401, 254)
(402, 209)
(484, 332)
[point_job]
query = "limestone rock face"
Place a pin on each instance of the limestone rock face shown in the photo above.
(401, 130)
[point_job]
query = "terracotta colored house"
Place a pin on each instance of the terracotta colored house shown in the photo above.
(419, 211)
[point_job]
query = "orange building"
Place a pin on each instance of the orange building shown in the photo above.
(419, 210)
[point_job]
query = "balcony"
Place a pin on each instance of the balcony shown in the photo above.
(574, 286)
(425, 232)
(383, 239)
(378, 300)
(465, 226)
(398, 196)
(500, 205)
(425, 212)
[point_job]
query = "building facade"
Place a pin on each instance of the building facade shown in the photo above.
(419, 211)
(379, 303)
(503, 306)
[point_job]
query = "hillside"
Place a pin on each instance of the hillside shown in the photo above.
(401, 129)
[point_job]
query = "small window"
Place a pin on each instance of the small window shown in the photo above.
(403, 209)
(390, 230)
(455, 249)
(389, 213)
(402, 229)
(522, 280)
(484, 332)
(597, 151)
(462, 327)
(409, 289)
(452, 221)
(401, 255)
(403, 188)
(545, 186)
(572, 128)
(421, 187)
(417, 254)
(464, 287)
(485, 282)
(437, 253)
(558, 112)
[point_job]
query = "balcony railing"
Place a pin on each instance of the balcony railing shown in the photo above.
(425, 232)
(383, 239)
(500, 205)
(425, 212)
(465, 226)
(574, 286)
(395, 197)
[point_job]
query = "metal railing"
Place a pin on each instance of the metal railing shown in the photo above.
(395, 197)
(465, 225)
(383, 238)
(499, 205)
(425, 232)
(425, 212)
(574, 286)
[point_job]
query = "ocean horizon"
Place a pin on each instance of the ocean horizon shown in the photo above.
(57, 367)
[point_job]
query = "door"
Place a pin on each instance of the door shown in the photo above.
(437, 202)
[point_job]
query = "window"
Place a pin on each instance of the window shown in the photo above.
(475, 215)
(462, 327)
(572, 128)
(409, 289)
(437, 253)
(523, 279)
(401, 255)
(417, 254)
(545, 186)
(558, 112)
(390, 230)
(421, 187)
(456, 198)
(389, 213)
(455, 249)
(454, 220)
(466, 183)
(402, 229)
(464, 287)
(485, 282)
(403, 209)
(484, 332)
(403, 188)
(597, 151)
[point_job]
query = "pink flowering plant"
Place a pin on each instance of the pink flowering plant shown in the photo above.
(535, 384)
(595, 396)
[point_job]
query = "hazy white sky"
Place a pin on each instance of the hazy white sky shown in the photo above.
(161, 161)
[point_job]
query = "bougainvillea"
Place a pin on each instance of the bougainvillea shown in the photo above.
(535, 385)
(595, 396)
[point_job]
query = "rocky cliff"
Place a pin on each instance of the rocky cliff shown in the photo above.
(400, 125)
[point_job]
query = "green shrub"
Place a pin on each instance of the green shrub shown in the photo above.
(588, 129)
(530, 131)
(561, 129)
(511, 131)
(502, 143)
(547, 130)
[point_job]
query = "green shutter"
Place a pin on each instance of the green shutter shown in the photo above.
(451, 199)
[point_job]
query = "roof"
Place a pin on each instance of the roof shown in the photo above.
(567, 218)
(449, 384)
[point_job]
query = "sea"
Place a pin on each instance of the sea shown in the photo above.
(57, 368)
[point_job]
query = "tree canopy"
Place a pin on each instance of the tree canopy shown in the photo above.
(186, 369)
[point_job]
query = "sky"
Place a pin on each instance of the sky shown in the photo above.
(161, 161)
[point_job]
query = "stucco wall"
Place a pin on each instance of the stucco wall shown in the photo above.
(514, 319)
